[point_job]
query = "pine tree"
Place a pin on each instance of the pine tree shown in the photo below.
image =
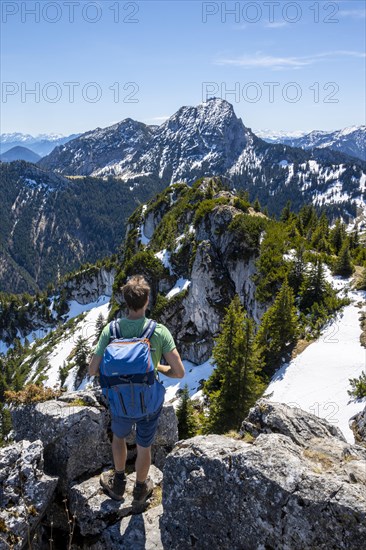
(99, 325)
(358, 386)
(337, 236)
(320, 237)
(314, 287)
(297, 271)
(257, 205)
(278, 330)
(187, 424)
(82, 352)
(286, 212)
(234, 385)
(343, 264)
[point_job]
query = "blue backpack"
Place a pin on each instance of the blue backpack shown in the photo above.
(127, 374)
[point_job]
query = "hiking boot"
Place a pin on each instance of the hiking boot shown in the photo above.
(114, 486)
(141, 493)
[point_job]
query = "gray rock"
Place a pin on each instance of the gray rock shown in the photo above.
(90, 284)
(77, 439)
(74, 437)
(137, 532)
(301, 426)
(25, 492)
(223, 493)
(95, 510)
(358, 426)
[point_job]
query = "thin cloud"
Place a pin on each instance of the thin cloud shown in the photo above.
(354, 14)
(276, 25)
(278, 63)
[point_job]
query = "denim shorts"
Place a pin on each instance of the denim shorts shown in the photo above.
(145, 427)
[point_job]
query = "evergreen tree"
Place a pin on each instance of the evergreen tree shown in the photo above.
(286, 212)
(257, 205)
(234, 385)
(187, 424)
(337, 236)
(99, 325)
(358, 386)
(278, 330)
(271, 269)
(320, 237)
(314, 287)
(343, 265)
(82, 352)
(297, 270)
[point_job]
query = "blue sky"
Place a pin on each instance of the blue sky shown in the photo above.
(289, 65)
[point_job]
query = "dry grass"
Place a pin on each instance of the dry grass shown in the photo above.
(323, 461)
(157, 497)
(301, 345)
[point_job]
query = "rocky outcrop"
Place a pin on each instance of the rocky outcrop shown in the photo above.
(87, 286)
(275, 493)
(300, 426)
(70, 433)
(95, 511)
(298, 486)
(221, 266)
(358, 426)
(25, 492)
(75, 431)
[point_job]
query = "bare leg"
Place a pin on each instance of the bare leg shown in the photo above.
(143, 462)
(119, 450)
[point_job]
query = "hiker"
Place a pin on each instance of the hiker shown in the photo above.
(136, 295)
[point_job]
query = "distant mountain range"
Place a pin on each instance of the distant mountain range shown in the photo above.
(50, 223)
(19, 153)
(351, 141)
(42, 144)
(210, 140)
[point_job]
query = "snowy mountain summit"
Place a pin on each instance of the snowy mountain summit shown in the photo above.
(208, 140)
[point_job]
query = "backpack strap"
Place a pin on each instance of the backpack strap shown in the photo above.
(114, 329)
(149, 330)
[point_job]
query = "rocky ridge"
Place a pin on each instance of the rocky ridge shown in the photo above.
(209, 140)
(290, 481)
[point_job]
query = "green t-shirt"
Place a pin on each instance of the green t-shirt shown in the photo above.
(161, 341)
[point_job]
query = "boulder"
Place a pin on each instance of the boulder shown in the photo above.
(77, 437)
(25, 492)
(74, 436)
(301, 426)
(95, 510)
(224, 493)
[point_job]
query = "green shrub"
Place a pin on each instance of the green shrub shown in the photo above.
(358, 386)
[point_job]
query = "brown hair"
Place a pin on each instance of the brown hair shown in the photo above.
(136, 292)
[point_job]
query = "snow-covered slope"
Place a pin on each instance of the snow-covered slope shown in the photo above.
(317, 380)
(351, 140)
(208, 140)
(58, 351)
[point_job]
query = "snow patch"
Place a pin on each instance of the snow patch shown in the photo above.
(194, 375)
(164, 257)
(180, 285)
(317, 380)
